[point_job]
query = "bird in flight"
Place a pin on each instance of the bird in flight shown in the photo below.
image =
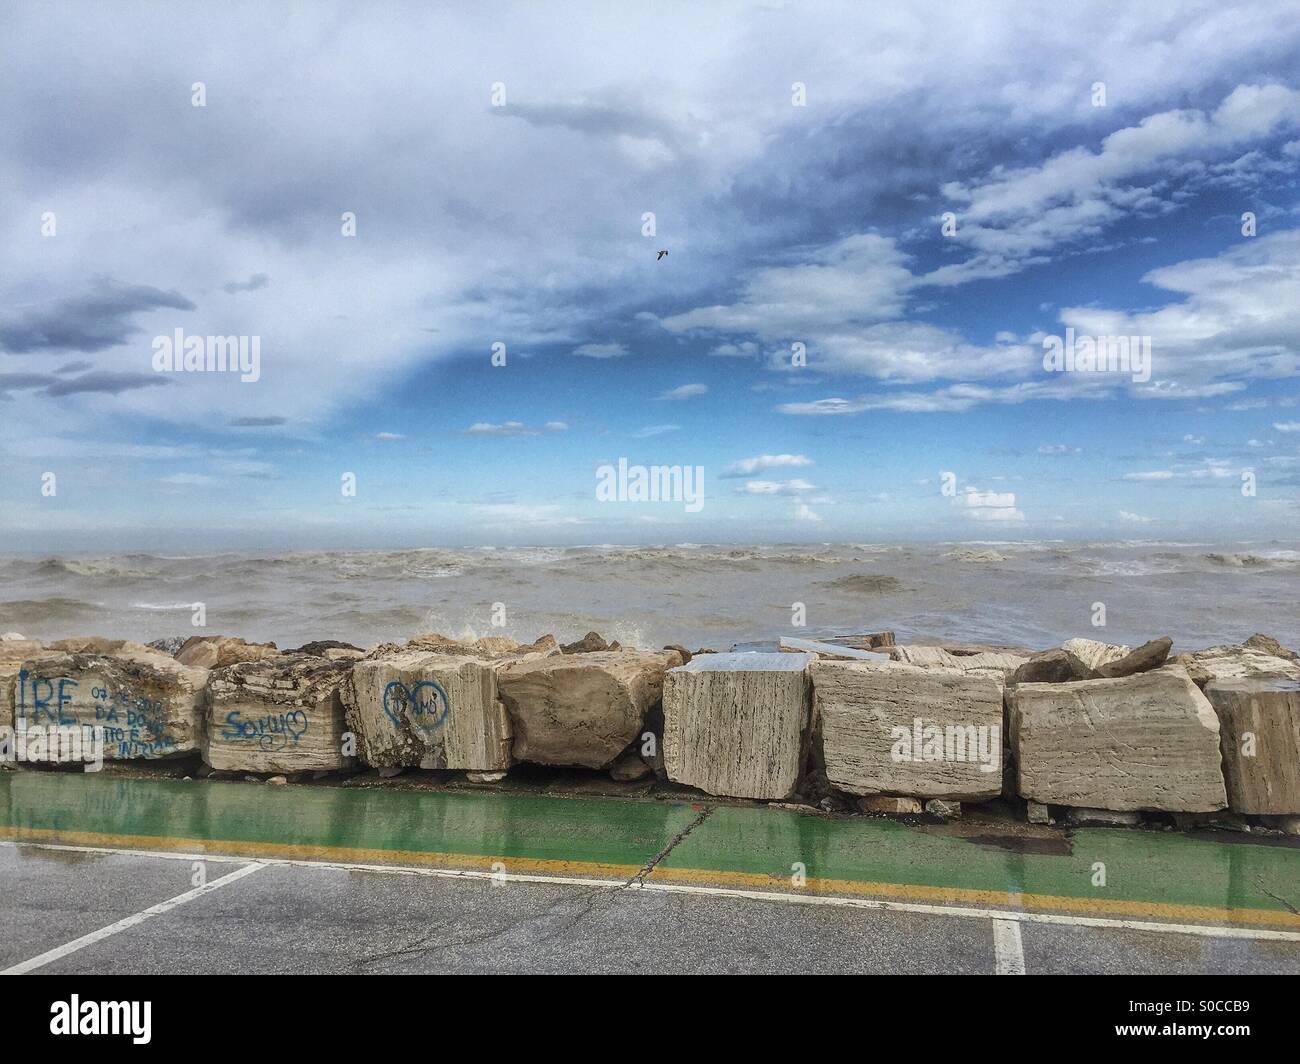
(661, 254)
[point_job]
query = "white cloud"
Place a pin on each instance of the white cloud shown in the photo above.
(1287, 426)
(612, 350)
(513, 428)
(748, 466)
(654, 430)
(685, 391)
(991, 506)
(1125, 515)
(778, 487)
(802, 512)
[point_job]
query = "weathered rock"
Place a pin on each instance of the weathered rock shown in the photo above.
(488, 646)
(990, 663)
(866, 641)
(1288, 825)
(485, 777)
(278, 781)
(1052, 666)
(168, 644)
(581, 709)
(432, 709)
(1093, 653)
(1037, 813)
(826, 651)
(1259, 718)
(279, 714)
(881, 803)
(215, 651)
(10, 637)
(1104, 818)
(943, 809)
(737, 724)
(889, 728)
(1236, 662)
(685, 654)
(1149, 741)
(14, 653)
(588, 644)
(1269, 645)
(148, 704)
(1145, 658)
(330, 648)
(629, 767)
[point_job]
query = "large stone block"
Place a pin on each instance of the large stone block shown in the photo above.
(900, 729)
(148, 704)
(737, 724)
(431, 709)
(582, 709)
(280, 714)
(1260, 739)
(1148, 741)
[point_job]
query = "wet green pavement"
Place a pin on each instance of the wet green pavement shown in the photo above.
(1145, 872)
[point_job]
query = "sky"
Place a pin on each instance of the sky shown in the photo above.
(878, 218)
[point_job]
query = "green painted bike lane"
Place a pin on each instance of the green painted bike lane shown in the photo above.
(1144, 872)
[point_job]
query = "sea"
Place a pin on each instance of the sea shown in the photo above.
(1033, 594)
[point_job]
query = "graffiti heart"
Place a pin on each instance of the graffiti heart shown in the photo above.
(424, 704)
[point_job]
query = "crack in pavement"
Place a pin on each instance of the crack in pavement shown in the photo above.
(584, 904)
(672, 845)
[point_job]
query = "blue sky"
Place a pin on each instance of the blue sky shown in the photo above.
(127, 212)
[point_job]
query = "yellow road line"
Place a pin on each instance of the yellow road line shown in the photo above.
(716, 877)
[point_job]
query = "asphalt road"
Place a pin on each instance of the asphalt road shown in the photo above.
(107, 876)
(306, 918)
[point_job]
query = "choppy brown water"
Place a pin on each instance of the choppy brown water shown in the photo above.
(700, 595)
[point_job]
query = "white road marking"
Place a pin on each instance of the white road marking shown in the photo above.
(1008, 952)
(50, 956)
(958, 911)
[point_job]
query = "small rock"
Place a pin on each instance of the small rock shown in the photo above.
(1289, 825)
(485, 777)
(883, 803)
(320, 648)
(1038, 813)
(278, 781)
(1145, 658)
(387, 772)
(10, 637)
(686, 654)
(629, 767)
(1052, 666)
(169, 645)
(944, 810)
(1105, 818)
(252, 779)
(588, 644)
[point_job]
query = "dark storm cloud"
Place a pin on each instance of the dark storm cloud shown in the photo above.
(79, 366)
(595, 119)
(93, 321)
(257, 422)
(105, 383)
(258, 280)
